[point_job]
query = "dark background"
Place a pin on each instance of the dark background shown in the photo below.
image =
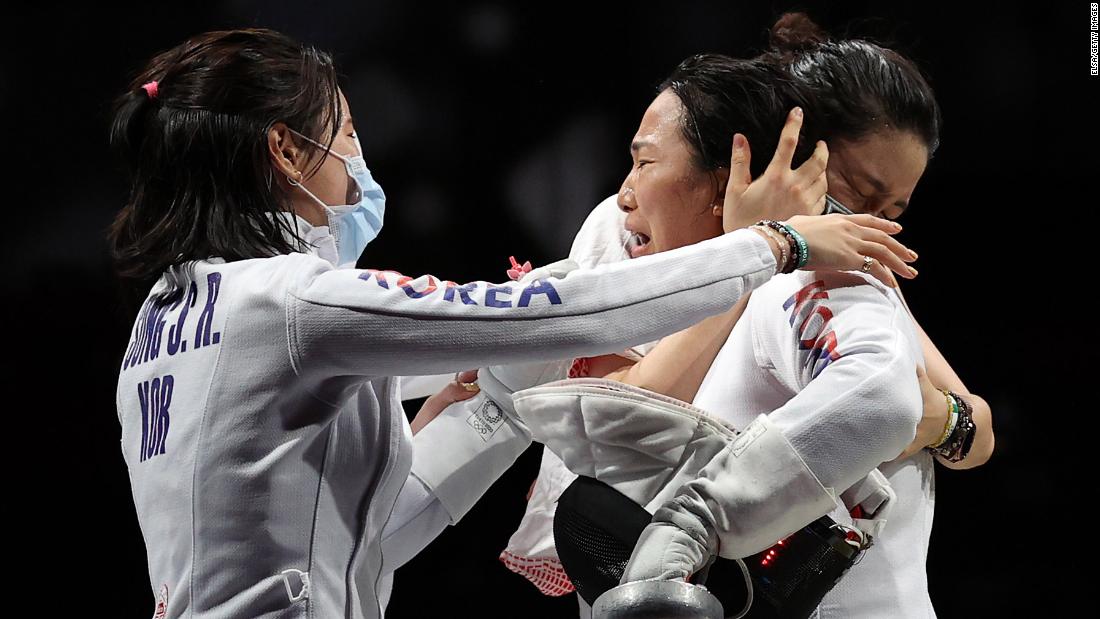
(494, 128)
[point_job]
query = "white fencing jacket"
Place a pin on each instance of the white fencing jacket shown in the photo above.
(263, 432)
(832, 358)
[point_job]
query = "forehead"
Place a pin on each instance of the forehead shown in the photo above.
(896, 158)
(661, 121)
(344, 108)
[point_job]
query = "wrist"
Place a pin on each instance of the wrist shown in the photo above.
(961, 438)
(776, 248)
(796, 247)
(950, 422)
(736, 224)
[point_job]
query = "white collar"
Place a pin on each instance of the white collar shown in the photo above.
(318, 239)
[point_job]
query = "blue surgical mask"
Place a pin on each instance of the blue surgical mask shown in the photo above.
(357, 223)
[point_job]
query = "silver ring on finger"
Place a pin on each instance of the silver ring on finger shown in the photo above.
(868, 262)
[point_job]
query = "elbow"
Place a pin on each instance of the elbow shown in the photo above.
(987, 452)
(902, 425)
(895, 418)
(984, 438)
(979, 454)
(902, 405)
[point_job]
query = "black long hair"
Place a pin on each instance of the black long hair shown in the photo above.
(202, 183)
(859, 86)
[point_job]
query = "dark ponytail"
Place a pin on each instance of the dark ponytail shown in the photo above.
(860, 87)
(192, 132)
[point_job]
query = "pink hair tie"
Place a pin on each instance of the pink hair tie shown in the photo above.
(150, 89)
(518, 270)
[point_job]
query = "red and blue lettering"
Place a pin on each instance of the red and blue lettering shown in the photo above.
(495, 295)
(814, 332)
(539, 286)
(463, 292)
(405, 283)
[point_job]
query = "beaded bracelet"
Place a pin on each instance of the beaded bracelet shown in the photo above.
(784, 248)
(969, 431)
(943, 448)
(968, 442)
(962, 437)
(960, 447)
(796, 254)
(952, 420)
(784, 255)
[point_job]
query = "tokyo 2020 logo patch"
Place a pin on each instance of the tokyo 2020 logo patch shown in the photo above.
(486, 420)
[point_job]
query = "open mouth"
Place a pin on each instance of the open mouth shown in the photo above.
(637, 244)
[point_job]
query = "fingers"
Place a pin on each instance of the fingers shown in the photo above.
(882, 274)
(925, 382)
(878, 270)
(464, 386)
(788, 140)
(816, 192)
(878, 223)
(739, 181)
(885, 260)
(895, 246)
(740, 176)
(811, 174)
(819, 206)
(888, 252)
(816, 164)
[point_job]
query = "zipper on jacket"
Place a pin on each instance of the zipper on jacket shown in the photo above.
(301, 584)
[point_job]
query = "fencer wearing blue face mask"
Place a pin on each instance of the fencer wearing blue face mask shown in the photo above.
(355, 224)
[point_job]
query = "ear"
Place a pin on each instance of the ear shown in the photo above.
(721, 180)
(287, 156)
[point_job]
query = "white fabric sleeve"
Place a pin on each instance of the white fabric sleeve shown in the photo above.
(417, 519)
(413, 387)
(753, 492)
(853, 366)
(602, 238)
(465, 449)
(703, 482)
(457, 456)
(368, 323)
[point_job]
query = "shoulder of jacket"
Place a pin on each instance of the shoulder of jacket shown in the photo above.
(300, 268)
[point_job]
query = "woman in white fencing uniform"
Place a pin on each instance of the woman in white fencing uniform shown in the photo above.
(267, 449)
(841, 440)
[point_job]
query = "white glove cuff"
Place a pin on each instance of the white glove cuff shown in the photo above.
(460, 453)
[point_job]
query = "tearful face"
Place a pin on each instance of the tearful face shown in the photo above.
(668, 200)
(878, 173)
